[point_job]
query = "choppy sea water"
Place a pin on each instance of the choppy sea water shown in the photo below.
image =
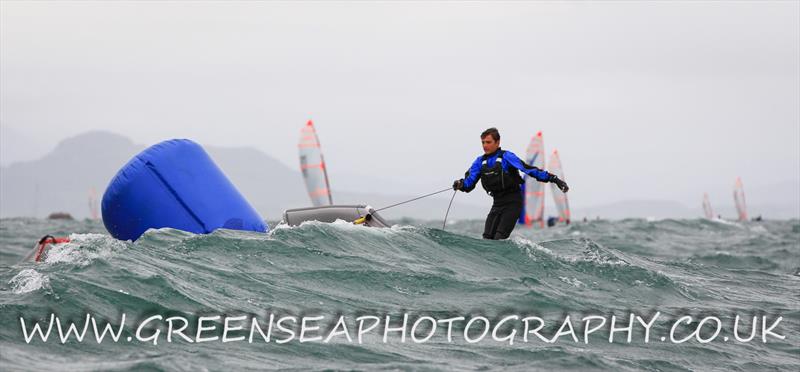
(698, 268)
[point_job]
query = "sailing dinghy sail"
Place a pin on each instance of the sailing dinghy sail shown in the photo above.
(738, 198)
(312, 165)
(93, 211)
(534, 190)
(559, 197)
(709, 213)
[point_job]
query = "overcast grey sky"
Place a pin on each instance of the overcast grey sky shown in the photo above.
(644, 100)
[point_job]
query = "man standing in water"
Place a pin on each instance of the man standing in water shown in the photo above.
(498, 171)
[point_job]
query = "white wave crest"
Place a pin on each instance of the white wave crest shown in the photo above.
(28, 280)
(82, 249)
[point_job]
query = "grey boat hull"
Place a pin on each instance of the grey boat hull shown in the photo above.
(360, 214)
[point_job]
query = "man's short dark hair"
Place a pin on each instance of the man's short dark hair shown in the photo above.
(491, 132)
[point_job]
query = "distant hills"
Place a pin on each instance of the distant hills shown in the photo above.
(61, 179)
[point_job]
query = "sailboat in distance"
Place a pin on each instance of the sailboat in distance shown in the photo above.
(707, 211)
(738, 198)
(533, 212)
(559, 197)
(312, 165)
(93, 211)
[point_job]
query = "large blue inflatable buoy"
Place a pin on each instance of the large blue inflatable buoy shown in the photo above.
(175, 184)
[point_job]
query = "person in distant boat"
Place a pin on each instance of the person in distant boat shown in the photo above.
(498, 170)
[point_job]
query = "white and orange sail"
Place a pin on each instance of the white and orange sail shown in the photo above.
(559, 197)
(709, 213)
(93, 211)
(738, 198)
(312, 165)
(534, 190)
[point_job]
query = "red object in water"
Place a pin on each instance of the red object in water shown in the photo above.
(46, 240)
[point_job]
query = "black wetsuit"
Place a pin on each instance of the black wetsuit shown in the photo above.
(503, 216)
(499, 176)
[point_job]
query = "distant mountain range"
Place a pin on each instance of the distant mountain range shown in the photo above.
(61, 180)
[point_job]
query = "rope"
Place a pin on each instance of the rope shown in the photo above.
(448, 208)
(417, 198)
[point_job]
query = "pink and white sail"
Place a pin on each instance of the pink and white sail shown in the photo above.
(534, 190)
(709, 213)
(738, 198)
(559, 197)
(312, 165)
(93, 211)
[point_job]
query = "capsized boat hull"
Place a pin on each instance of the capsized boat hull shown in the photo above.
(359, 214)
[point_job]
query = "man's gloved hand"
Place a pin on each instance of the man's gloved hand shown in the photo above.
(458, 184)
(559, 182)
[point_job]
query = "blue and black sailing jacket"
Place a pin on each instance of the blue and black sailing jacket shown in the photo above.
(499, 173)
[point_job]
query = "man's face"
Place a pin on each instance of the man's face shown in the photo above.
(489, 144)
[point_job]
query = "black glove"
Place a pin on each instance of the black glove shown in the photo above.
(559, 182)
(458, 184)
